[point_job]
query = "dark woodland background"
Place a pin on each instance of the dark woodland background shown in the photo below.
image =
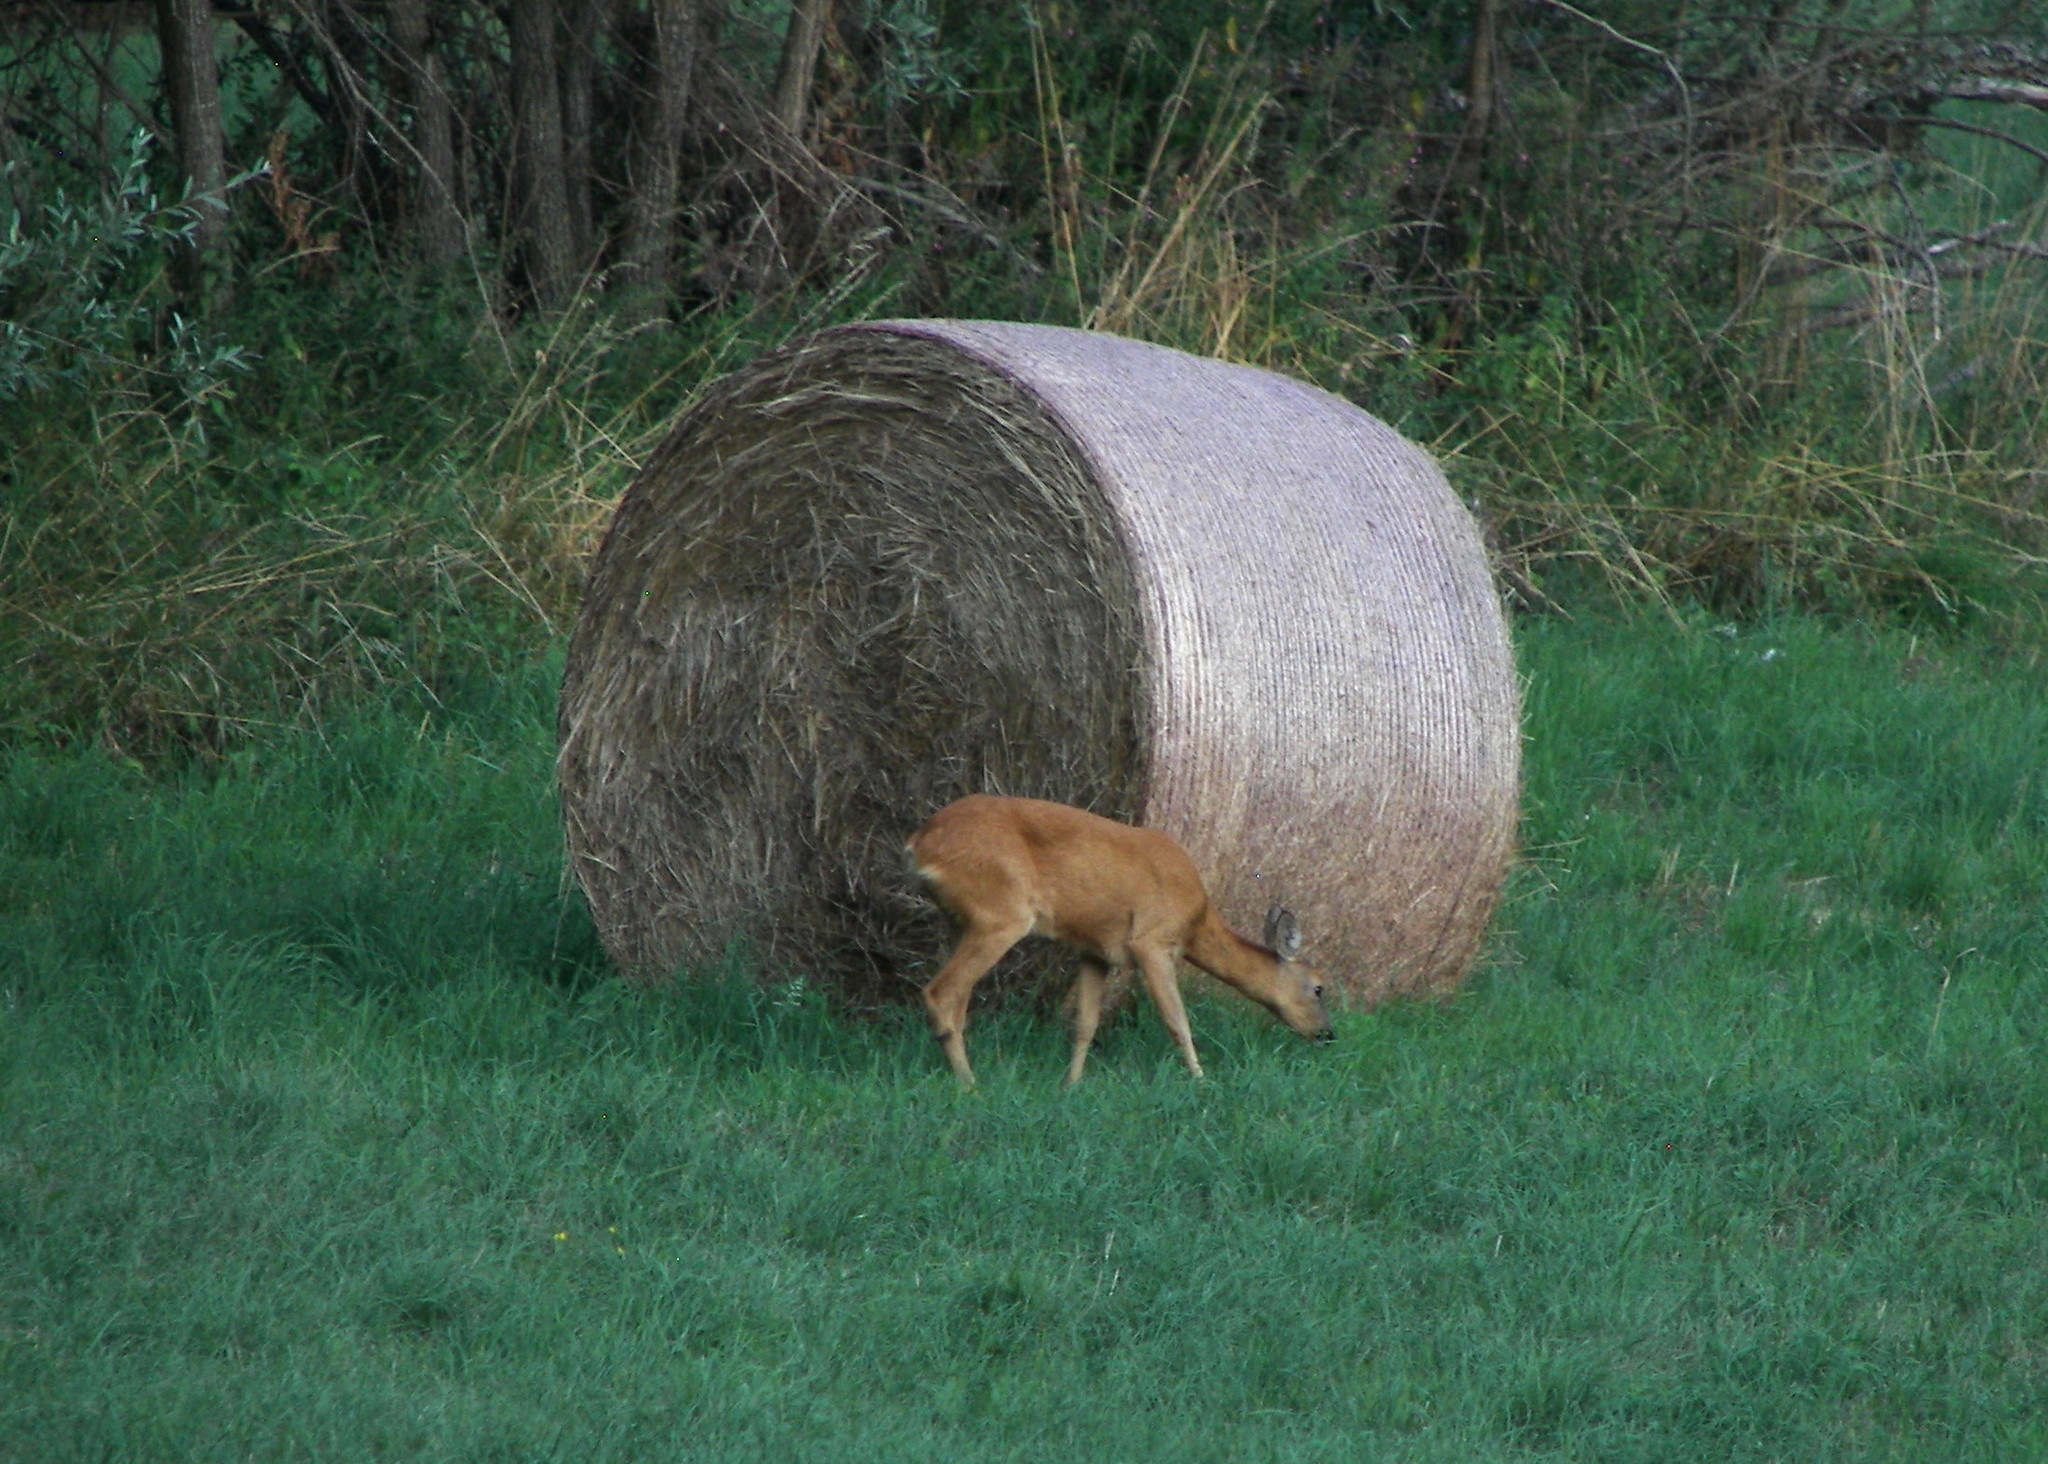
(332, 327)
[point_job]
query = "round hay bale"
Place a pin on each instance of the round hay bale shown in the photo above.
(895, 563)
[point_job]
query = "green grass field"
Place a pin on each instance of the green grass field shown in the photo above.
(323, 1135)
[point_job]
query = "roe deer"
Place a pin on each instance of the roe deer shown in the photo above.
(1012, 867)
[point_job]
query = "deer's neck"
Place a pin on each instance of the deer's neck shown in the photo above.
(1229, 957)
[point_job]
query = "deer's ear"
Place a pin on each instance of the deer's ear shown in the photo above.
(1283, 935)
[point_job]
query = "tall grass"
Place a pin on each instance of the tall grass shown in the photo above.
(322, 1133)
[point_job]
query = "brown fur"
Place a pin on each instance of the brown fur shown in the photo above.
(1124, 897)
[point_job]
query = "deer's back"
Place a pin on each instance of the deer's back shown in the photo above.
(1079, 877)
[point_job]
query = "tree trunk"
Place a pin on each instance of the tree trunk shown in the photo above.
(436, 215)
(543, 187)
(656, 173)
(1479, 80)
(583, 24)
(192, 80)
(800, 46)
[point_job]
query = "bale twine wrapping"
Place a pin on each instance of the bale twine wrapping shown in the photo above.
(895, 563)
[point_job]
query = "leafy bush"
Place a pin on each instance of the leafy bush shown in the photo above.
(82, 303)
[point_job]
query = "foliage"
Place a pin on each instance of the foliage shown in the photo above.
(325, 1133)
(80, 296)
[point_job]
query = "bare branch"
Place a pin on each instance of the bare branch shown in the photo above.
(1970, 127)
(1995, 89)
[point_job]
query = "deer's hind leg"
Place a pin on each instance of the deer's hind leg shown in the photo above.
(946, 995)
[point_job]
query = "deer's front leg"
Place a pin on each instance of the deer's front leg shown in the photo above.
(946, 995)
(1088, 989)
(1164, 983)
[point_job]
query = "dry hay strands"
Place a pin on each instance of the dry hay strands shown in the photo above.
(895, 563)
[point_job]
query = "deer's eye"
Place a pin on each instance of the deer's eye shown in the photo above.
(1319, 989)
